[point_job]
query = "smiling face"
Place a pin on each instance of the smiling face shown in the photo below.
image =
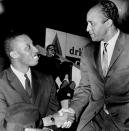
(24, 52)
(51, 51)
(97, 26)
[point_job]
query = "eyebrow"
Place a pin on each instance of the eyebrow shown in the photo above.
(91, 22)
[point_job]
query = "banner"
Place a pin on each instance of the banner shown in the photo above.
(69, 46)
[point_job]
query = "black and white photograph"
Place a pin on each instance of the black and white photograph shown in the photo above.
(64, 65)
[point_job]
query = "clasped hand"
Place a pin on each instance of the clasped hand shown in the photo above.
(64, 118)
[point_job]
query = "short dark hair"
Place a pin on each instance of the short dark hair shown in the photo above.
(51, 45)
(8, 42)
(109, 10)
(7, 45)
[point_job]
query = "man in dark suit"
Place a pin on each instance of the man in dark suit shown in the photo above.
(13, 88)
(101, 102)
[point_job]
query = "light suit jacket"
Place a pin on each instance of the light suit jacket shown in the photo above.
(43, 92)
(95, 90)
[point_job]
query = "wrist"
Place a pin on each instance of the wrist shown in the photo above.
(52, 119)
(71, 110)
(48, 121)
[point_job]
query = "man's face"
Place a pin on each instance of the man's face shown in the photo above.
(26, 51)
(96, 24)
(51, 51)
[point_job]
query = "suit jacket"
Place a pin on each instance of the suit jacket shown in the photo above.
(43, 92)
(95, 89)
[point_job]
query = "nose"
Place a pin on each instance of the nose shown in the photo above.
(88, 27)
(35, 49)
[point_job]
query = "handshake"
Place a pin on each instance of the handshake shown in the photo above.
(62, 119)
(66, 116)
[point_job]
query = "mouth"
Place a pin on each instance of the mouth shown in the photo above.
(35, 57)
(92, 35)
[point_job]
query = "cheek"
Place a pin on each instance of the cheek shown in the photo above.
(99, 31)
(25, 58)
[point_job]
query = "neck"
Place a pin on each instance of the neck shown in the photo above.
(110, 33)
(22, 68)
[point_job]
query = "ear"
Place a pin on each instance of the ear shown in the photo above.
(14, 54)
(109, 22)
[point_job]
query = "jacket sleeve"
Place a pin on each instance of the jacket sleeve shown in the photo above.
(83, 91)
(54, 105)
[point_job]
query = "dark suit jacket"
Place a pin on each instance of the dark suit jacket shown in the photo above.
(95, 90)
(43, 92)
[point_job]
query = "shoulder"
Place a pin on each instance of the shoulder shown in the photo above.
(4, 85)
(92, 46)
(5, 73)
(41, 74)
(123, 35)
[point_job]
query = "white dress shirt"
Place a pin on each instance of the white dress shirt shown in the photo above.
(110, 46)
(20, 75)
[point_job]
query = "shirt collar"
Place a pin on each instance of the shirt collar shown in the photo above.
(18, 73)
(113, 39)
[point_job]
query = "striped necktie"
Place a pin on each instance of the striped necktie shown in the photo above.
(105, 59)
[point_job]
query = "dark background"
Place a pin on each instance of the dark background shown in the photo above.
(34, 16)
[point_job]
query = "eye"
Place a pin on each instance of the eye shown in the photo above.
(92, 24)
(28, 47)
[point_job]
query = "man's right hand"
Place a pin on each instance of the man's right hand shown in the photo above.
(65, 118)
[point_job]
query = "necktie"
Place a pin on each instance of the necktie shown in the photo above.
(28, 86)
(105, 59)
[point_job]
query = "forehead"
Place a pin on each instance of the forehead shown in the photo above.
(22, 38)
(21, 41)
(95, 14)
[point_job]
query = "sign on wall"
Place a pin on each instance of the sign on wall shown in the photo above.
(69, 46)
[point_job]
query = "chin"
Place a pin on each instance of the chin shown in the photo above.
(94, 39)
(34, 64)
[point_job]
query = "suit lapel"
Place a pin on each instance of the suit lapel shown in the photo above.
(16, 84)
(97, 56)
(35, 86)
(94, 58)
(91, 54)
(117, 51)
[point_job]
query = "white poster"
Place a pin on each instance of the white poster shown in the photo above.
(69, 46)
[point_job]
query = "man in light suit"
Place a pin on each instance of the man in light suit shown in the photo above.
(23, 55)
(101, 102)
